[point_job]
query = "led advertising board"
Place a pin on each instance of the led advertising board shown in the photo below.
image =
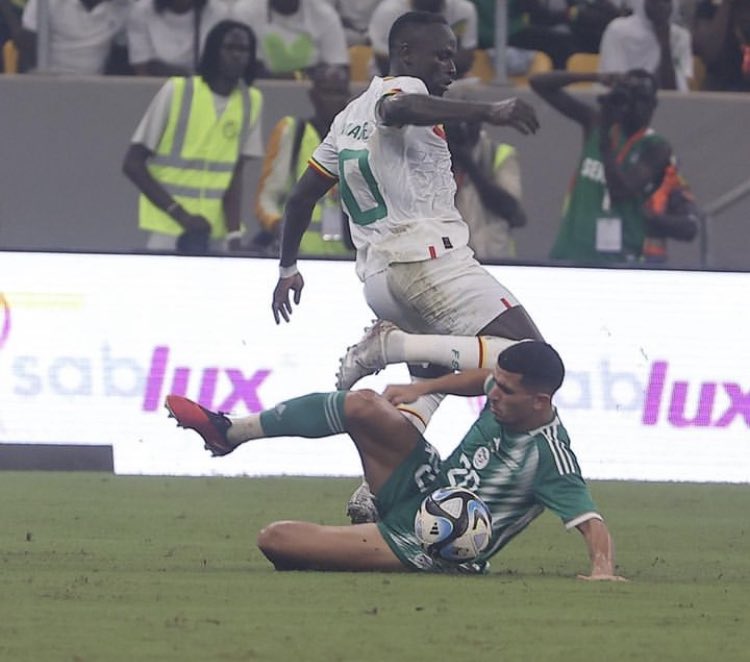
(657, 386)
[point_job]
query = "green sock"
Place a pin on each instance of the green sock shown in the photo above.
(313, 415)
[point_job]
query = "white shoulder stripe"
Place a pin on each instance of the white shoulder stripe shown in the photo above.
(561, 454)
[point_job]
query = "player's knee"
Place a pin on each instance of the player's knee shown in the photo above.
(362, 406)
(276, 542)
(273, 539)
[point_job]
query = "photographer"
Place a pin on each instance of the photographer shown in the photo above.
(623, 162)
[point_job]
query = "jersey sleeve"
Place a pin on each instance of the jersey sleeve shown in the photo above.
(559, 485)
(325, 158)
(399, 85)
(403, 84)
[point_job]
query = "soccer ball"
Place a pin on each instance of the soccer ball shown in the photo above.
(453, 524)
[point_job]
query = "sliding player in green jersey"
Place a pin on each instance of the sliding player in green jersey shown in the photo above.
(516, 457)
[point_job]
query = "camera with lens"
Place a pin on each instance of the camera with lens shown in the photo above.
(617, 96)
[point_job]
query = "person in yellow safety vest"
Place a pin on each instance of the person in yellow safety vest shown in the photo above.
(187, 154)
(488, 189)
(290, 146)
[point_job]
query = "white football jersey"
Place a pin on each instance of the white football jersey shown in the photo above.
(395, 182)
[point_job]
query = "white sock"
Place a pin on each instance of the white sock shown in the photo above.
(454, 352)
(419, 412)
(244, 429)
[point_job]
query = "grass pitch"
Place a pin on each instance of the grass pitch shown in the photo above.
(101, 567)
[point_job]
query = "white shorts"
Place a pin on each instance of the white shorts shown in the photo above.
(451, 295)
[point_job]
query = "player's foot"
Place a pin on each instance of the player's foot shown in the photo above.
(367, 357)
(210, 426)
(361, 506)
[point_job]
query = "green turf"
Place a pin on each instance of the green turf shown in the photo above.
(97, 567)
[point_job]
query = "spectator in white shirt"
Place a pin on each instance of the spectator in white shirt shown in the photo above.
(355, 17)
(294, 35)
(650, 40)
(166, 37)
(82, 33)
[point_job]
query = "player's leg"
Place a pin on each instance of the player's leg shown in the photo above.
(313, 415)
(308, 546)
(382, 436)
(448, 296)
(455, 295)
(514, 323)
(384, 344)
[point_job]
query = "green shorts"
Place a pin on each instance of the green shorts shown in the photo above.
(398, 502)
(399, 499)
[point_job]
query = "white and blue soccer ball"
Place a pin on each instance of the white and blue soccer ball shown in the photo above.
(453, 524)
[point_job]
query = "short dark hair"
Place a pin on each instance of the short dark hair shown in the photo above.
(409, 21)
(538, 363)
(208, 68)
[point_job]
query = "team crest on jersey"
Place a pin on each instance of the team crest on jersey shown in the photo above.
(481, 458)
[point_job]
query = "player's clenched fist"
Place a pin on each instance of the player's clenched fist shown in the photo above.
(514, 112)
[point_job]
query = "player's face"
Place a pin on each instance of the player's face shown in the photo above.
(512, 404)
(430, 57)
(234, 54)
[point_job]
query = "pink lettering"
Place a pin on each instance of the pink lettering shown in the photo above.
(705, 405)
(654, 390)
(243, 389)
(657, 388)
(155, 379)
(739, 406)
(208, 387)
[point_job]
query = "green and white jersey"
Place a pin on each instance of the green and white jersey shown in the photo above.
(396, 183)
(518, 475)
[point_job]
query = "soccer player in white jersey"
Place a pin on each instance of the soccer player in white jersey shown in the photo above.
(516, 457)
(388, 153)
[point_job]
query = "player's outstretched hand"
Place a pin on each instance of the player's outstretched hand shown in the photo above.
(402, 394)
(602, 578)
(514, 112)
(281, 305)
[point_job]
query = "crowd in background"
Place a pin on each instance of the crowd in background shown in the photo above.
(686, 45)
(689, 44)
